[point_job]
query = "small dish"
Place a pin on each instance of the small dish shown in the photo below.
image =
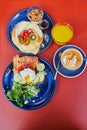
(35, 14)
(62, 70)
(44, 25)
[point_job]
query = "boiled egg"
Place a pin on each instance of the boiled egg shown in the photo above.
(28, 74)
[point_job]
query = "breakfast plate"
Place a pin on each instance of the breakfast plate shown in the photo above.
(47, 88)
(62, 70)
(22, 16)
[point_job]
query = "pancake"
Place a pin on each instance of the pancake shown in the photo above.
(31, 47)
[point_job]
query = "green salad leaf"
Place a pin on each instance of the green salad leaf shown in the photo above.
(20, 93)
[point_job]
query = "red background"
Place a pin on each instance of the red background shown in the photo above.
(68, 108)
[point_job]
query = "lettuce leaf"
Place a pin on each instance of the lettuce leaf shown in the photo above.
(19, 93)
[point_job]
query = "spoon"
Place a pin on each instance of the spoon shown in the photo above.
(55, 76)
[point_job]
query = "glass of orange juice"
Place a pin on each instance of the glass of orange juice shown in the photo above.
(62, 33)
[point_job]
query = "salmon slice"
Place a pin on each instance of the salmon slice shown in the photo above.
(19, 63)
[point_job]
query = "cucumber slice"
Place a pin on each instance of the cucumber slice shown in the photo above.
(40, 67)
(17, 77)
(41, 76)
(36, 80)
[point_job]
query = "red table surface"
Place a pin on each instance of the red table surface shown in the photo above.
(68, 108)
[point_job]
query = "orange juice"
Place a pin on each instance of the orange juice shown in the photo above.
(62, 33)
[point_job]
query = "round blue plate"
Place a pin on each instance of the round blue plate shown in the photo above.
(47, 88)
(65, 72)
(22, 16)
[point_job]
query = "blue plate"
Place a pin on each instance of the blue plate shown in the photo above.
(22, 16)
(47, 88)
(65, 72)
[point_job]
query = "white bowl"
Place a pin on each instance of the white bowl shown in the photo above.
(35, 15)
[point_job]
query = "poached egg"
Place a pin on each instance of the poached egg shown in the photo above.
(28, 74)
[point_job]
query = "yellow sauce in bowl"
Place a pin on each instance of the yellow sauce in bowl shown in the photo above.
(62, 33)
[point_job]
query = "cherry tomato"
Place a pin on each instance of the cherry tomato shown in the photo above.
(26, 33)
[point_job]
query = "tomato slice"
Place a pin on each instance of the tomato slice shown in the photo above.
(25, 33)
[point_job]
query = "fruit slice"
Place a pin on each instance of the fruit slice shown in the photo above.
(33, 38)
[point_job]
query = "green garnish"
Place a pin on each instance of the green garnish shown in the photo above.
(20, 93)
